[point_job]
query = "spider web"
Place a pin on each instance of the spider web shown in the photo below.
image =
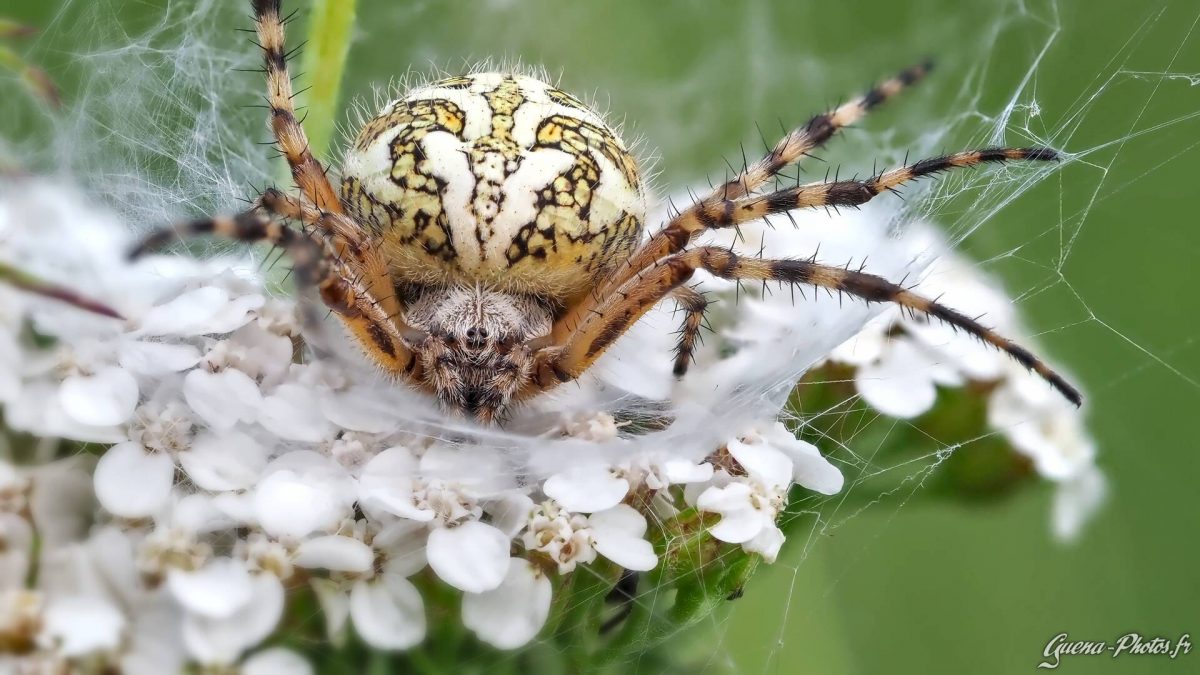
(161, 129)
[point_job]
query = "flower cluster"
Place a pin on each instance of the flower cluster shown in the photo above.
(245, 456)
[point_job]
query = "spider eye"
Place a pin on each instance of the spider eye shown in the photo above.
(477, 336)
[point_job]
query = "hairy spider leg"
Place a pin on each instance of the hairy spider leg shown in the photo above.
(599, 330)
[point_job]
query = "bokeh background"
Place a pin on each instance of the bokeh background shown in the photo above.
(1101, 257)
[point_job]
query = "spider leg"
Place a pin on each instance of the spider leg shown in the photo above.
(315, 264)
(591, 337)
(727, 213)
(293, 143)
(721, 213)
(684, 227)
(693, 303)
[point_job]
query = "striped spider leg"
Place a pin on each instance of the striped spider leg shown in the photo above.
(663, 264)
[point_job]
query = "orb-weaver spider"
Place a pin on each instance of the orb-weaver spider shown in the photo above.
(486, 243)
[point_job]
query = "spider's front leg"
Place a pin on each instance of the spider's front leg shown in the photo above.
(341, 287)
(617, 312)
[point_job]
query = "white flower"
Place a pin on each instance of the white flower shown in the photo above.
(749, 503)
(563, 536)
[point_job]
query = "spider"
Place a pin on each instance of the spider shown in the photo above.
(486, 242)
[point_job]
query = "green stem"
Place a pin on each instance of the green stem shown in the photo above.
(324, 62)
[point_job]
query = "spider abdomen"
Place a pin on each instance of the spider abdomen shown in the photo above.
(495, 179)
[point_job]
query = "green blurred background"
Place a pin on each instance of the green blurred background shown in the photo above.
(905, 586)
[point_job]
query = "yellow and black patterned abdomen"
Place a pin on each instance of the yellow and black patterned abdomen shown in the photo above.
(495, 179)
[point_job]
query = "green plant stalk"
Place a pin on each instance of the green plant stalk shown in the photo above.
(323, 63)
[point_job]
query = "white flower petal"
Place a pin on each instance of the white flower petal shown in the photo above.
(385, 485)
(156, 359)
(220, 462)
(810, 469)
(471, 557)
(766, 543)
(302, 492)
(587, 488)
(682, 471)
(335, 607)
(77, 626)
(512, 614)
(1076, 501)
(224, 398)
(132, 483)
(292, 412)
(617, 535)
(185, 314)
(388, 612)
(510, 512)
(358, 409)
(403, 543)
(276, 661)
(898, 385)
(336, 553)
(740, 521)
(215, 591)
(106, 398)
(223, 641)
(762, 462)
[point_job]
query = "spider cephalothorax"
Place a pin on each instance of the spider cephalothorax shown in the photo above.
(475, 351)
(486, 243)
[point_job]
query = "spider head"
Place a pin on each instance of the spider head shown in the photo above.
(475, 354)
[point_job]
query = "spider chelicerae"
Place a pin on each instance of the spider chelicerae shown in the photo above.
(486, 243)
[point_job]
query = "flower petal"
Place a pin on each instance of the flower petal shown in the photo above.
(335, 553)
(617, 535)
(512, 614)
(302, 492)
(766, 543)
(222, 462)
(740, 521)
(587, 488)
(292, 412)
(156, 359)
(899, 384)
(276, 661)
(762, 462)
(224, 398)
(76, 626)
(106, 398)
(222, 641)
(215, 591)
(471, 557)
(132, 483)
(388, 613)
